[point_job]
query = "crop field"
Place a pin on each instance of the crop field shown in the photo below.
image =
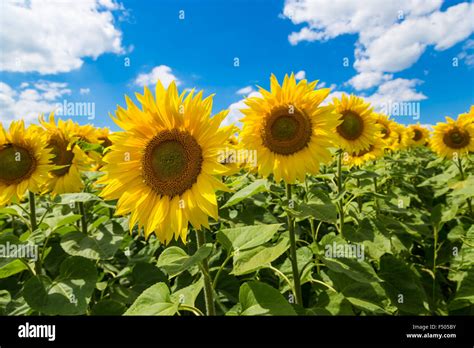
(310, 209)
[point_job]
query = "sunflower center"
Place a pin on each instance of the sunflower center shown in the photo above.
(62, 156)
(17, 164)
(385, 132)
(364, 152)
(456, 138)
(286, 130)
(172, 162)
(352, 126)
(105, 141)
(417, 135)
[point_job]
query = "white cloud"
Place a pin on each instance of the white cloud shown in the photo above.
(391, 35)
(161, 72)
(84, 91)
(396, 91)
(51, 37)
(30, 101)
(300, 75)
(234, 111)
(408, 40)
(365, 80)
(245, 90)
(467, 53)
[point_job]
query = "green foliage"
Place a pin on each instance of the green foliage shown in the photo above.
(406, 249)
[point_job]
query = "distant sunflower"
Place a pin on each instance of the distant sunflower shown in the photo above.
(389, 135)
(375, 150)
(452, 137)
(288, 129)
(404, 135)
(24, 162)
(420, 135)
(68, 158)
(357, 129)
(164, 168)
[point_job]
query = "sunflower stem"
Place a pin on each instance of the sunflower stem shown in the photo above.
(208, 290)
(82, 211)
(339, 190)
(32, 211)
(359, 198)
(293, 258)
(461, 171)
(435, 256)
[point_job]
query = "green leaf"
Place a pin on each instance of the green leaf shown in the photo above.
(11, 268)
(465, 291)
(101, 244)
(256, 187)
(68, 294)
(242, 238)
(304, 255)
(250, 260)
(174, 260)
(5, 298)
(258, 298)
(360, 271)
(188, 295)
(403, 286)
(155, 300)
(108, 307)
(326, 212)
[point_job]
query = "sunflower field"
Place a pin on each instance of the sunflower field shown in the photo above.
(313, 207)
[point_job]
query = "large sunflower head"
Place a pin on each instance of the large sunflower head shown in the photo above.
(357, 129)
(387, 129)
(288, 129)
(68, 158)
(375, 150)
(24, 162)
(452, 138)
(419, 135)
(164, 167)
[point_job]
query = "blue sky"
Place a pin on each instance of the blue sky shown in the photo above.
(199, 51)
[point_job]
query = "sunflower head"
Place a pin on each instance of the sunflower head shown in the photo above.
(419, 135)
(24, 161)
(68, 158)
(387, 129)
(453, 138)
(375, 150)
(357, 129)
(288, 129)
(163, 168)
(468, 117)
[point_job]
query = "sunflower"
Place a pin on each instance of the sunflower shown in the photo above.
(389, 135)
(404, 135)
(103, 137)
(164, 167)
(24, 162)
(68, 158)
(288, 130)
(452, 138)
(467, 117)
(375, 150)
(420, 135)
(358, 128)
